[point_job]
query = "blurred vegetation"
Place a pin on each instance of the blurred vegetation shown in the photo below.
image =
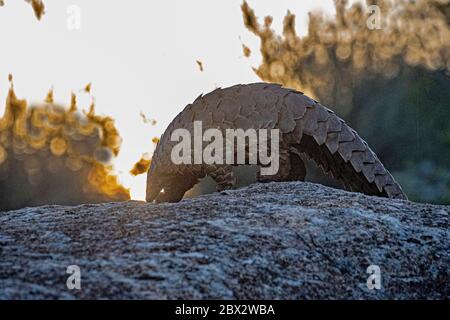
(411, 134)
(391, 84)
(37, 5)
(55, 155)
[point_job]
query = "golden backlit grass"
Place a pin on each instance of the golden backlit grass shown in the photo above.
(340, 52)
(47, 149)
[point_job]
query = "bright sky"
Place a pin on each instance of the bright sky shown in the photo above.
(139, 55)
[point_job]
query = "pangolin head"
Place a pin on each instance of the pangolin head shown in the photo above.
(154, 184)
(160, 175)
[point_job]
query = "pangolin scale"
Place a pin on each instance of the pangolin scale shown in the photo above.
(306, 127)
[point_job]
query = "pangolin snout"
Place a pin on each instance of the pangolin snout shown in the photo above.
(153, 186)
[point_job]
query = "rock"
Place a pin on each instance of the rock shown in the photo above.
(267, 241)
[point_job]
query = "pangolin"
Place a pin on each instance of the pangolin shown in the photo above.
(305, 127)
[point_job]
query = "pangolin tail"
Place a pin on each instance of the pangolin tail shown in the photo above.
(341, 153)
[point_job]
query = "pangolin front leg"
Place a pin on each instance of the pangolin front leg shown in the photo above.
(291, 167)
(223, 175)
(175, 192)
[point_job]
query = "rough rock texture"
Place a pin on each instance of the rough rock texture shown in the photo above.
(277, 240)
